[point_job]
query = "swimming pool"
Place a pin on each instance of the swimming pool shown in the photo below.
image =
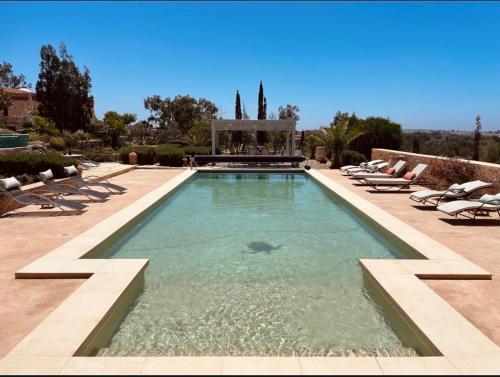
(250, 264)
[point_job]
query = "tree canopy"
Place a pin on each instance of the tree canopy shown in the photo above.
(62, 90)
(289, 112)
(9, 80)
(180, 112)
(116, 125)
(378, 132)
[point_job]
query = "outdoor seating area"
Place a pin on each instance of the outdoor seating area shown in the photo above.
(54, 194)
(451, 201)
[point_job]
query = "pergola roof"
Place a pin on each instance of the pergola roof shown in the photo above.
(253, 125)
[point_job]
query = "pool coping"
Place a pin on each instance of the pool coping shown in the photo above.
(71, 328)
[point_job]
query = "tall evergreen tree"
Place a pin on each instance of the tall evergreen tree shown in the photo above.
(261, 114)
(237, 136)
(477, 138)
(237, 110)
(260, 110)
(63, 92)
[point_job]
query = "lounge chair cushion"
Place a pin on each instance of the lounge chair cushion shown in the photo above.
(490, 199)
(71, 170)
(46, 175)
(390, 171)
(10, 183)
(456, 188)
(409, 176)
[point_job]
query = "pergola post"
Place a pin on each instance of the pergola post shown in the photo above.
(293, 142)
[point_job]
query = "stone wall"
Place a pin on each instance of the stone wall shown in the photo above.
(484, 171)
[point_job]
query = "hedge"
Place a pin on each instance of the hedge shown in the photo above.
(17, 164)
(169, 155)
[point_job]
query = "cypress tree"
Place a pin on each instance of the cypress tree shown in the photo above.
(237, 110)
(261, 114)
(477, 138)
(237, 136)
(260, 111)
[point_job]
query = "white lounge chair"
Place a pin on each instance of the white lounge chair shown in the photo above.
(91, 181)
(484, 205)
(61, 188)
(12, 188)
(393, 172)
(384, 184)
(368, 168)
(455, 191)
(363, 164)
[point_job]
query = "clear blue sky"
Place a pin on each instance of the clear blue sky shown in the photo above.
(424, 65)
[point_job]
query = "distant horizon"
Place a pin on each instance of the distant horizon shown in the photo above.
(429, 66)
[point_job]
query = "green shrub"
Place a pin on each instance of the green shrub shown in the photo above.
(145, 155)
(123, 153)
(169, 155)
(194, 150)
(349, 157)
(57, 142)
(18, 164)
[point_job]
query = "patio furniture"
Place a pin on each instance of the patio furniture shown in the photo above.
(484, 205)
(455, 191)
(60, 188)
(368, 168)
(91, 181)
(393, 172)
(363, 164)
(384, 184)
(12, 188)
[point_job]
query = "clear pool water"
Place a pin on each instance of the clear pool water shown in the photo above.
(253, 264)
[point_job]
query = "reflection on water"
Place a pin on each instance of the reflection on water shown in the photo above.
(253, 264)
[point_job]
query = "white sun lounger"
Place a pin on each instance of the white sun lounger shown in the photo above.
(368, 168)
(399, 183)
(398, 170)
(485, 204)
(455, 191)
(363, 164)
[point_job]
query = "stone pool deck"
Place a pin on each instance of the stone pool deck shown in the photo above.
(477, 300)
(29, 233)
(44, 352)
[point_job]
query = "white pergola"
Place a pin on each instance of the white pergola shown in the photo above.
(285, 125)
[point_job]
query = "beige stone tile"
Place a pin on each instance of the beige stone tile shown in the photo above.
(123, 265)
(340, 365)
(384, 266)
(84, 266)
(103, 365)
(82, 306)
(451, 333)
(444, 268)
(183, 365)
(416, 365)
(31, 365)
(261, 365)
(477, 365)
(60, 338)
(107, 282)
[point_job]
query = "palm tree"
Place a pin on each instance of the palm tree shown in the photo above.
(337, 139)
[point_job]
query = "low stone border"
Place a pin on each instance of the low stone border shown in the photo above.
(86, 317)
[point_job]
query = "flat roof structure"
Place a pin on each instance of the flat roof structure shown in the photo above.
(268, 125)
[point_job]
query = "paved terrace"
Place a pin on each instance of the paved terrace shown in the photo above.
(29, 233)
(477, 300)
